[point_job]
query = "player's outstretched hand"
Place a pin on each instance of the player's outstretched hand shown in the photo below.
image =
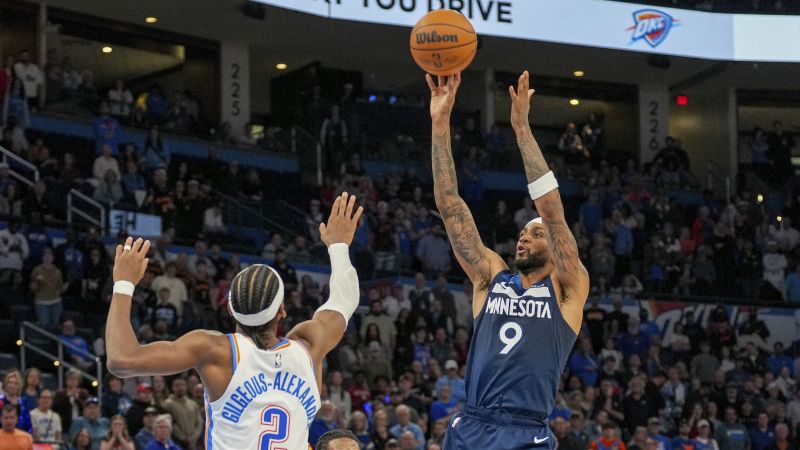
(131, 260)
(443, 95)
(342, 223)
(521, 101)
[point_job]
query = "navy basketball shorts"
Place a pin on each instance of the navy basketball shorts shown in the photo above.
(474, 428)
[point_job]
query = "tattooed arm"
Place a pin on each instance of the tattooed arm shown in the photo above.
(569, 271)
(480, 263)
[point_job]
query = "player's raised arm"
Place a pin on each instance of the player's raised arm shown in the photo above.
(480, 263)
(570, 272)
(324, 331)
(126, 357)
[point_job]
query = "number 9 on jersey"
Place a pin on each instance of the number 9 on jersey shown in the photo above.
(510, 335)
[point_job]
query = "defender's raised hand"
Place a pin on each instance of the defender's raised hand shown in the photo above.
(131, 260)
(443, 95)
(342, 222)
(521, 102)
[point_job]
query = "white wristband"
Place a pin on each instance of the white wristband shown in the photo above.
(124, 287)
(543, 185)
(339, 251)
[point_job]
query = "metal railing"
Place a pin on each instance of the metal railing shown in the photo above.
(239, 213)
(58, 360)
(73, 210)
(14, 162)
(302, 142)
(716, 176)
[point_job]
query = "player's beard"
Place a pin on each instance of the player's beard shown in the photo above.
(531, 262)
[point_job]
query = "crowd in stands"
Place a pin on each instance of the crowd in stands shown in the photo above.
(397, 377)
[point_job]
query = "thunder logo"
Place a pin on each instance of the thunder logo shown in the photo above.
(652, 26)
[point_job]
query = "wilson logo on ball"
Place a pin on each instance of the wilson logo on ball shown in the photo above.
(434, 37)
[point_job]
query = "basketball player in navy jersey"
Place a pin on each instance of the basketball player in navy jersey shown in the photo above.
(525, 322)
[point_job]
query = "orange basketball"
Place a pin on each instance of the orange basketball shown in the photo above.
(443, 42)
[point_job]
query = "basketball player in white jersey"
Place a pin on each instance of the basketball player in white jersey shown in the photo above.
(262, 391)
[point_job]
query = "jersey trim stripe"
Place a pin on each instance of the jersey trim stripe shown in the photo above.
(234, 352)
(209, 424)
(308, 353)
(238, 353)
(284, 343)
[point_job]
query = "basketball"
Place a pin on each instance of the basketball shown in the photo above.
(443, 42)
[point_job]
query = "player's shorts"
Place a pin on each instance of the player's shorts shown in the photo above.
(479, 429)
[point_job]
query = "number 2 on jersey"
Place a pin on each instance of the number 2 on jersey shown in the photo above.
(510, 339)
(275, 420)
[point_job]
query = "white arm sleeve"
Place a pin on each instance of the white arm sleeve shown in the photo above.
(345, 293)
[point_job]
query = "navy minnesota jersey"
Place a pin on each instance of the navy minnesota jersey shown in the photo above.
(519, 349)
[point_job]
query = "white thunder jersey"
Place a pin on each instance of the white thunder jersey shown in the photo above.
(270, 401)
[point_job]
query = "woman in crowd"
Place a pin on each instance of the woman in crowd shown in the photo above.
(117, 437)
(31, 388)
(82, 441)
(156, 152)
(351, 356)
(11, 201)
(360, 427)
(160, 390)
(68, 402)
(110, 190)
(339, 396)
(12, 386)
(380, 429)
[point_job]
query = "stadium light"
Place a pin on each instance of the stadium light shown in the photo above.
(579, 73)
(95, 383)
(56, 363)
(779, 218)
(19, 342)
(281, 66)
(107, 49)
(574, 102)
(760, 198)
(151, 19)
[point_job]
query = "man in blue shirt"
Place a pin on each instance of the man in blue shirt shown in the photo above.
(591, 214)
(91, 420)
(682, 441)
(107, 131)
(404, 424)
(633, 341)
(79, 356)
(648, 327)
(653, 432)
(161, 435)
(731, 434)
(778, 360)
(445, 405)
(323, 422)
(132, 181)
(762, 437)
(145, 435)
(584, 363)
(451, 378)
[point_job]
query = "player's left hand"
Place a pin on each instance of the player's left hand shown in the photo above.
(521, 101)
(130, 261)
